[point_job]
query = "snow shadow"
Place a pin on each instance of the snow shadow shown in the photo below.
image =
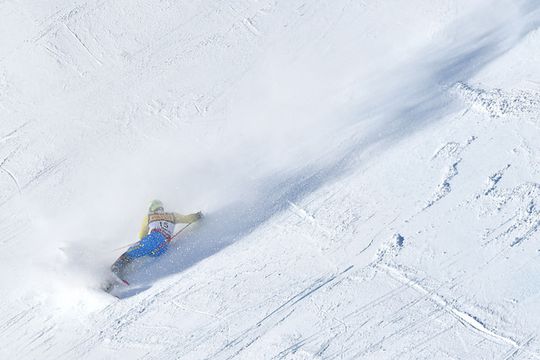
(222, 228)
(419, 91)
(418, 98)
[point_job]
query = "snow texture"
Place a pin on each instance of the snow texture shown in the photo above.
(369, 172)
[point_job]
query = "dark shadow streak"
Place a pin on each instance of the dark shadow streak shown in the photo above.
(424, 105)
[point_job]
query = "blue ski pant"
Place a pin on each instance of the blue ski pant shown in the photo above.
(153, 244)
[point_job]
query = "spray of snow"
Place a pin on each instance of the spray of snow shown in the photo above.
(283, 121)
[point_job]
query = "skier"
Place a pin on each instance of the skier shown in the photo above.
(156, 233)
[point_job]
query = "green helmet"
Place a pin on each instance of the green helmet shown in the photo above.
(155, 206)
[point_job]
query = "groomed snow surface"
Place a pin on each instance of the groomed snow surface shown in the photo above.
(369, 173)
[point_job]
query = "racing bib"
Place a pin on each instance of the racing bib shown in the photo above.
(161, 222)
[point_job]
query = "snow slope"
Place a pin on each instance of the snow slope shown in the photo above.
(368, 171)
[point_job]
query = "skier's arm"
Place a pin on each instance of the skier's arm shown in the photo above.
(144, 228)
(179, 218)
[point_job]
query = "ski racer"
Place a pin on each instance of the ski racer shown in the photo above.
(156, 233)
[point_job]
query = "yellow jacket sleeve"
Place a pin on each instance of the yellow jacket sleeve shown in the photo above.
(179, 218)
(144, 228)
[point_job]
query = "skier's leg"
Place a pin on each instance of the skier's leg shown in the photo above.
(153, 244)
(160, 250)
(149, 244)
(120, 264)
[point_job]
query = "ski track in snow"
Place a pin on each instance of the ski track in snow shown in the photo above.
(466, 319)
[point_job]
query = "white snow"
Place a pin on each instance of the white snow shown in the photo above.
(369, 173)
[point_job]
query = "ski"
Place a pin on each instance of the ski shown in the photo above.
(112, 282)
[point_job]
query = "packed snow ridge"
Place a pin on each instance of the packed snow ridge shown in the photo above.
(368, 171)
